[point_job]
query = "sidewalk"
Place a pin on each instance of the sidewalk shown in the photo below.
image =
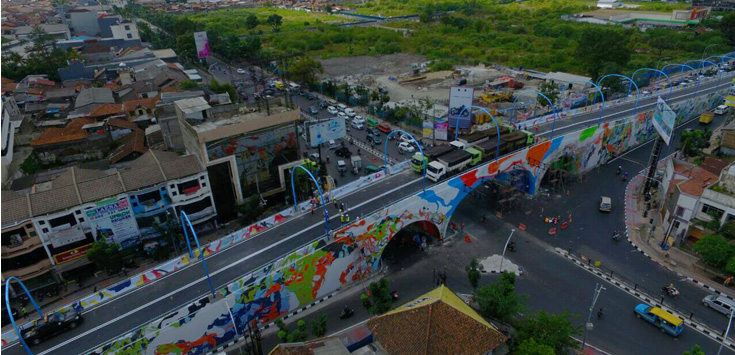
(639, 235)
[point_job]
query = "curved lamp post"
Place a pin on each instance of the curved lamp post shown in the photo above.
(682, 70)
(701, 67)
(185, 218)
(553, 108)
(637, 91)
(497, 127)
(671, 87)
(324, 202)
(385, 152)
(10, 313)
(599, 120)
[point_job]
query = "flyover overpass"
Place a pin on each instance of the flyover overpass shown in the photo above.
(324, 265)
(260, 255)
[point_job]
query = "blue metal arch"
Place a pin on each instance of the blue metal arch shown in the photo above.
(671, 87)
(10, 313)
(637, 91)
(553, 108)
(682, 70)
(599, 120)
(702, 61)
(324, 202)
(497, 127)
(385, 151)
(185, 218)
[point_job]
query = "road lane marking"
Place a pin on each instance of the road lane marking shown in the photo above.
(201, 279)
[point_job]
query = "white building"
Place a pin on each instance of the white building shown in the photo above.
(126, 30)
(609, 4)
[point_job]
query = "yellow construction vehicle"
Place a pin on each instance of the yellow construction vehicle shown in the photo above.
(497, 96)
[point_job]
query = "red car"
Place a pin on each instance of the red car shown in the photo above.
(384, 128)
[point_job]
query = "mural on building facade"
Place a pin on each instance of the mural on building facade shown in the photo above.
(255, 153)
(323, 266)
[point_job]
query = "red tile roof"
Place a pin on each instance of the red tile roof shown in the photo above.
(149, 103)
(132, 143)
(106, 110)
(697, 179)
(116, 122)
(72, 132)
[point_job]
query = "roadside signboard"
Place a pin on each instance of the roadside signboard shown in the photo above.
(324, 131)
(460, 98)
(202, 44)
(113, 220)
(730, 101)
(663, 120)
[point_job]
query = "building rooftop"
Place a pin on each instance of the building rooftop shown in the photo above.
(228, 123)
(94, 96)
(72, 132)
(696, 179)
(132, 143)
(560, 77)
(77, 186)
(193, 105)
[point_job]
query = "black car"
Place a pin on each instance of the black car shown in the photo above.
(323, 104)
(52, 325)
(373, 131)
(302, 92)
(373, 139)
(343, 152)
(310, 96)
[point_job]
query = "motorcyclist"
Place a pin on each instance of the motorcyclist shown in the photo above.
(512, 246)
(625, 176)
(599, 313)
(620, 170)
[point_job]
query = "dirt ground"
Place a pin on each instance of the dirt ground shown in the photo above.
(392, 64)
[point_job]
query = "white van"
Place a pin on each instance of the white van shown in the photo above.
(294, 86)
(350, 112)
(722, 109)
(333, 144)
(341, 107)
(720, 303)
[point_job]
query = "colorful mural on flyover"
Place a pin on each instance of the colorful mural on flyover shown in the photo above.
(324, 266)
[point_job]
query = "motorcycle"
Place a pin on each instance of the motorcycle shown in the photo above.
(394, 295)
(616, 236)
(671, 291)
(512, 246)
(354, 171)
(347, 312)
(620, 170)
(625, 176)
(599, 314)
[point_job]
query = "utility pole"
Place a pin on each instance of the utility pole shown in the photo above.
(588, 325)
(502, 257)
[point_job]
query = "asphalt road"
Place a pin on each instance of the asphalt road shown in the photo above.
(127, 312)
(549, 281)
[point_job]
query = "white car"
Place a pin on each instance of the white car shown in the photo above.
(359, 119)
(341, 107)
(350, 112)
(405, 139)
(240, 71)
(406, 147)
(357, 125)
(332, 110)
(342, 115)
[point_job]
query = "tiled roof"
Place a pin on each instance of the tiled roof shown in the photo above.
(94, 96)
(696, 179)
(435, 324)
(132, 143)
(72, 132)
(76, 186)
(106, 110)
(714, 165)
(95, 48)
(60, 93)
(149, 103)
(116, 122)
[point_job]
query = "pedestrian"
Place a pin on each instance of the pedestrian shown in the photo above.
(95, 289)
(570, 218)
(312, 208)
(23, 312)
(556, 220)
(343, 206)
(461, 227)
(347, 218)
(728, 281)
(336, 204)
(423, 243)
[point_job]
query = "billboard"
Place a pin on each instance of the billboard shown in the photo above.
(71, 255)
(459, 99)
(440, 130)
(730, 101)
(663, 120)
(66, 236)
(113, 220)
(202, 43)
(324, 131)
(428, 129)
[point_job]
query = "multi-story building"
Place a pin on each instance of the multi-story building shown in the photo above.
(716, 5)
(83, 21)
(242, 150)
(54, 224)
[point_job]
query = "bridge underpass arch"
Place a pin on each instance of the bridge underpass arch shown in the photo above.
(408, 244)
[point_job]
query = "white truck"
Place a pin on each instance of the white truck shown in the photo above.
(447, 164)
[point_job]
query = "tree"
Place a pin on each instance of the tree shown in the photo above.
(275, 21)
(714, 250)
(727, 26)
(328, 8)
(305, 70)
(251, 22)
(224, 88)
(319, 326)
(499, 299)
(531, 347)
(696, 350)
(106, 255)
(473, 273)
(693, 141)
(550, 90)
(379, 301)
(600, 45)
(427, 16)
(287, 335)
(554, 331)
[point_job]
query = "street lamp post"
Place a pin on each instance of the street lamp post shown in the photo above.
(729, 323)
(598, 289)
(184, 223)
(502, 257)
(421, 150)
(169, 224)
(296, 202)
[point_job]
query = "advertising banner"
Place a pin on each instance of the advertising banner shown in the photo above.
(71, 255)
(663, 120)
(202, 43)
(440, 131)
(113, 219)
(428, 129)
(66, 236)
(459, 99)
(730, 101)
(325, 131)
